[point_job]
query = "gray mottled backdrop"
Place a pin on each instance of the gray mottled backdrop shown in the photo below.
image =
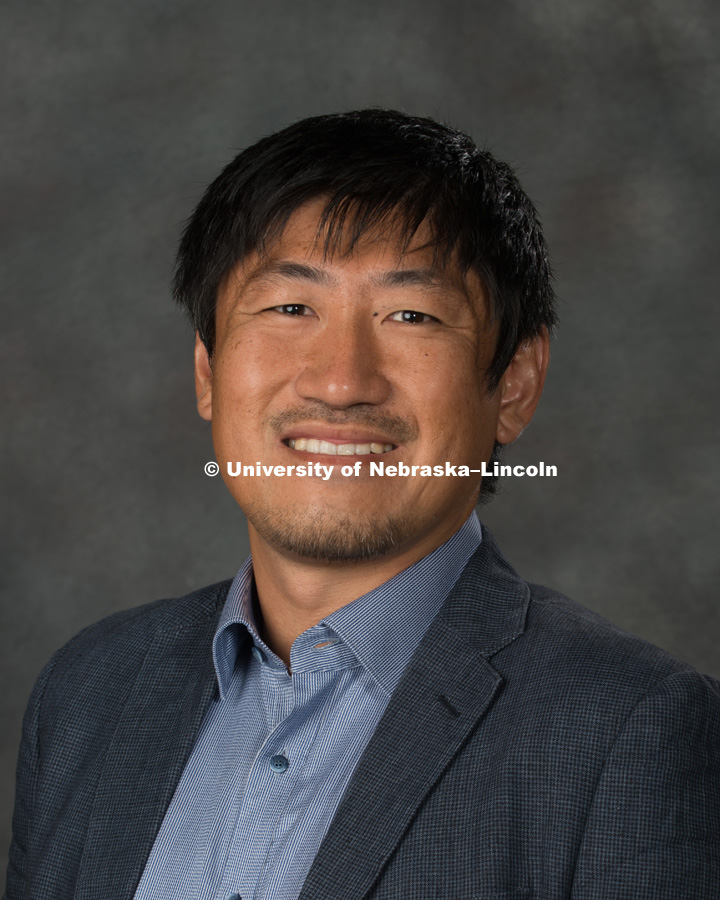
(114, 117)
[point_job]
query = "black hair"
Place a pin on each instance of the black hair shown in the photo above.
(376, 167)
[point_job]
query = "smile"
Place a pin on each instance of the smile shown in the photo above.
(312, 445)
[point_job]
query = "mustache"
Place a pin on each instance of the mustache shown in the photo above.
(397, 429)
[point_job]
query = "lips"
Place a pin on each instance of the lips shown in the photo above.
(328, 448)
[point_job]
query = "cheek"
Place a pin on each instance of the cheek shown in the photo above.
(450, 388)
(248, 373)
(236, 414)
(457, 415)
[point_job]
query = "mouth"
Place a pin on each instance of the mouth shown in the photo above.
(330, 448)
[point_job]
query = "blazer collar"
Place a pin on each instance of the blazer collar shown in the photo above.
(446, 690)
(488, 606)
(147, 753)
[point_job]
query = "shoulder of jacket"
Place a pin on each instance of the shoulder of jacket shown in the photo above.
(125, 636)
(581, 640)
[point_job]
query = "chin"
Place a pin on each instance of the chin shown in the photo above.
(328, 536)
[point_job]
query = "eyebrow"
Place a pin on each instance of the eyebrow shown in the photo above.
(295, 271)
(429, 278)
(292, 270)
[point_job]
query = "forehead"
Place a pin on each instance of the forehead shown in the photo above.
(380, 255)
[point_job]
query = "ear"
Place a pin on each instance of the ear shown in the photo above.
(203, 379)
(521, 386)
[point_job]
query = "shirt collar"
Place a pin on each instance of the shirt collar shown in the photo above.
(383, 627)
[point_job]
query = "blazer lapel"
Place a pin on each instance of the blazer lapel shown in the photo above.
(145, 760)
(445, 692)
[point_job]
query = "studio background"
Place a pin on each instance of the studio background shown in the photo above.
(116, 116)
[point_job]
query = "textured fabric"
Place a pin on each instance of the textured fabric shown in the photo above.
(239, 824)
(530, 750)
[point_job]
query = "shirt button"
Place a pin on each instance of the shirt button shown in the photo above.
(279, 763)
(234, 897)
(259, 657)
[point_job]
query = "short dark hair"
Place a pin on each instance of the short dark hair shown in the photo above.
(373, 165)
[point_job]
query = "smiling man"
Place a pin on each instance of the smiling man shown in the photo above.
(377, 705)
(371, 350)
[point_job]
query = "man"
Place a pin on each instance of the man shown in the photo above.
(377, 706)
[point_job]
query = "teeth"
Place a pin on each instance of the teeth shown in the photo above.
(312, 445)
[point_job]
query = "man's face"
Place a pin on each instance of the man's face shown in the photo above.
(377, 354)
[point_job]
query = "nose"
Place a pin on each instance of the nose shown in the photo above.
(344, 367)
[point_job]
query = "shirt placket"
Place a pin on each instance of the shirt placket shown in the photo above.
(293, 715)
(320, 662)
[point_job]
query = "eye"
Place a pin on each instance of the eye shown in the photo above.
(412, 317)
(293, 309)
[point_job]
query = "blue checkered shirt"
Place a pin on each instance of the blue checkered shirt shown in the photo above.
(276, 751)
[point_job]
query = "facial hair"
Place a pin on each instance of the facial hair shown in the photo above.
(328, 535)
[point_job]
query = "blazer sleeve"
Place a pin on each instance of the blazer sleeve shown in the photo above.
(653, 829)
(25, 786)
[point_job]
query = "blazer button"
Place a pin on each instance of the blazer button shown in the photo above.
(279, 763)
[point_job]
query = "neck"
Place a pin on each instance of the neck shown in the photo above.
(296, 593)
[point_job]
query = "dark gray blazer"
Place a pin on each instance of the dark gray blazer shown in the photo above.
(531, 750)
